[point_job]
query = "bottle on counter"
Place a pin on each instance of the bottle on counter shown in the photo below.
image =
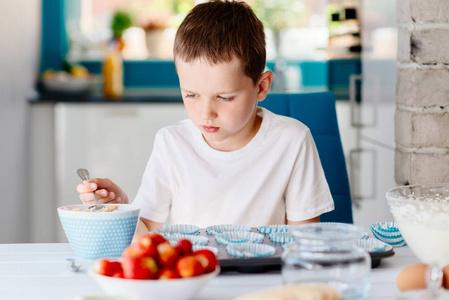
(113, 72)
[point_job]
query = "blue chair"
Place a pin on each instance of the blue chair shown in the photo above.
(317, 111)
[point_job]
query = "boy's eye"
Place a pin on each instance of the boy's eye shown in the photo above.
(191, 95)
(226, 98)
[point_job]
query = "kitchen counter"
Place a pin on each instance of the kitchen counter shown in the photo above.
(40, 271)
(131, 95)
(161, 84)
(139, 95)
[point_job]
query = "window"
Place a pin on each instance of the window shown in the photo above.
(150, 34)
(296, 29)
(79, 30)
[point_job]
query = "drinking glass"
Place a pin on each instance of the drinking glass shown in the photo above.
(328, 253)
(421, 213)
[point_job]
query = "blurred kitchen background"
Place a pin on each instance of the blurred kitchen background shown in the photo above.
(51, 124)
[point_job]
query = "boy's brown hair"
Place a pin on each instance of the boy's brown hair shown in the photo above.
(221, 30)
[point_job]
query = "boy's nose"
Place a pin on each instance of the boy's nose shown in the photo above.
(208, 111)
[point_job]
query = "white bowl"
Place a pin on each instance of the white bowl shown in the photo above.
(183, 288)
(68, 85)
(94, 235)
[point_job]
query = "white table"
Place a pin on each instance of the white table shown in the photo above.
(40, 271)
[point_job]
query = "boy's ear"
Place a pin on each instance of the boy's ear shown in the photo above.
(264, 85)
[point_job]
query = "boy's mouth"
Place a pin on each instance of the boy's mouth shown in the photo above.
(211, 129)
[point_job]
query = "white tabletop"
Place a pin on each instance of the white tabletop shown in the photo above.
(40, 271)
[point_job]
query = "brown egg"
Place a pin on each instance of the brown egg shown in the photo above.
(413, 277)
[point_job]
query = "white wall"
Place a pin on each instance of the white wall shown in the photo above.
(19, 58)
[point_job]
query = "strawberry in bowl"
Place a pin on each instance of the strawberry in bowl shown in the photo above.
(153, 268)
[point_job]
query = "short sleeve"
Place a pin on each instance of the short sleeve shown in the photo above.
(307, 194)
(155, 194)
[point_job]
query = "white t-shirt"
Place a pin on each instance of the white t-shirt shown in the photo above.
(276, 176)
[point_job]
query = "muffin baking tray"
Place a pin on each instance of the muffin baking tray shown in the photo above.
(247, 264)
(273, 262)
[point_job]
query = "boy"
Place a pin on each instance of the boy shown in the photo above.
(231, 161)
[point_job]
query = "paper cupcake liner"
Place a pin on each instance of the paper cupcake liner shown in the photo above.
(199, 247)
(166, 230)
(274, 228)
(388, 233)
(287, 246)
(364, 236)
(281, 237)
(215, 229)
(194, 239)
(346, 227)
(250, 250)
(372, 245)
(236, 237)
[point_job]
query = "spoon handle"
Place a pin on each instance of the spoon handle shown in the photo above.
(84, 175)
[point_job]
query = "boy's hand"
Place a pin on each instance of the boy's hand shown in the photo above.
(106, 191)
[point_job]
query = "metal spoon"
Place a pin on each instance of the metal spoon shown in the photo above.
(73, 266)
(84, 175)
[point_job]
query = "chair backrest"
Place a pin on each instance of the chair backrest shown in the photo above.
(317, 111)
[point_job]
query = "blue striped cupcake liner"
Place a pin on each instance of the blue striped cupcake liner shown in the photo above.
(287, 246)
(373, 245)
(194, 239)
(237, 237)
(281, 237)
(363, 234)
(200, 247)
(250, 250)
(166, 230)
(215, 229)
(388, 233)
(267, 229)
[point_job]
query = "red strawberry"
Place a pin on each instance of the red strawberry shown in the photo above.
(167, 254)
(157, 238)
(148, 245)
(136, 265)
(139, 267)
(167, 273)
(189, 266)
(184, 247)
(207, 259)
(105, 267)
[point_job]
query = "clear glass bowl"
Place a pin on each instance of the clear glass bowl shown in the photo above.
(328, 253)
(421, 214)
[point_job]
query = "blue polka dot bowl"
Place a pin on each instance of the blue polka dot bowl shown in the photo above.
(94, 235)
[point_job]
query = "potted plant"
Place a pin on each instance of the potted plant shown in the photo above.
(121, 21)
(155, 16)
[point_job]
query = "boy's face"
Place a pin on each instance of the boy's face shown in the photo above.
(221, 101)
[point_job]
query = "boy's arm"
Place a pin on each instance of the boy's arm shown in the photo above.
(313, 220)
(144, 226)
